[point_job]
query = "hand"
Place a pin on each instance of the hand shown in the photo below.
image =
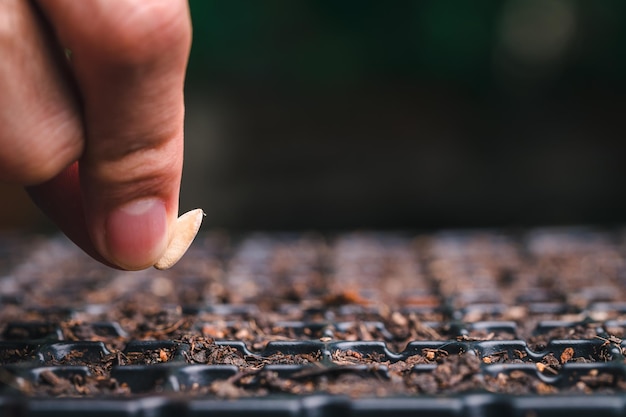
(97, 138)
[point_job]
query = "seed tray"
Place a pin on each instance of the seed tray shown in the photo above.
(450, 324)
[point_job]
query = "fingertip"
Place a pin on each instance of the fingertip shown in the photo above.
(135, 234)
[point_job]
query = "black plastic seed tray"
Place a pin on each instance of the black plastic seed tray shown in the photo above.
(364, 324)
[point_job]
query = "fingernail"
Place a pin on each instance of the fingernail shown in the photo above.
(136, 233)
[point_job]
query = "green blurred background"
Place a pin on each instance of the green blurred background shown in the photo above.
(334, 114)
(419, 114)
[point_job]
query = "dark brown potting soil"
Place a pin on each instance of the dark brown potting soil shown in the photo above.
(361, 314)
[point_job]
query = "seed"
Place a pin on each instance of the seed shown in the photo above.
(185, 231)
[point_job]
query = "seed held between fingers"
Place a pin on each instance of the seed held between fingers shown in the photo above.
(185, 231)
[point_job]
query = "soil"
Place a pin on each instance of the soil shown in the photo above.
(362, 314)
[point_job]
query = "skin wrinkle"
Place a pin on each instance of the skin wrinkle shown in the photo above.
(142, 181)
(63, 144)
(138, 135)
(33, 73)
(108, 148)
(63, 139)
(51, 156)
(107, 154)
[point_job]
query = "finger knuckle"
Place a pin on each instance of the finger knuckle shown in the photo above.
(132, 39)
(145, 172)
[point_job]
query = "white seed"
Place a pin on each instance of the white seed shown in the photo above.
(185, 231)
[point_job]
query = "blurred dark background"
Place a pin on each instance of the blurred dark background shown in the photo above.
(419, 114)
(406, 114)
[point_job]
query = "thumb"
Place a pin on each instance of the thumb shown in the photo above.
(132, 92)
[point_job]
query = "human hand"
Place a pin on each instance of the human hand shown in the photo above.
(98, 140)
